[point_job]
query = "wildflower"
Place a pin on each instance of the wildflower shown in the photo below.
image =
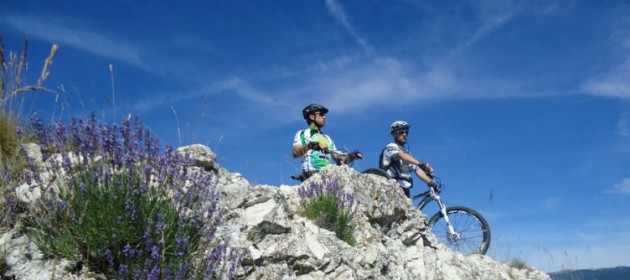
(155, 252)
(123, 269)
(63, 205)
(109, 257)
(128, 251)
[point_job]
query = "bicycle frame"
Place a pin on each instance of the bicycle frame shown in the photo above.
(460, 228)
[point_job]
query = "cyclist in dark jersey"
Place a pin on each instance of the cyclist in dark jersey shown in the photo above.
(313, 146)
(399, 163)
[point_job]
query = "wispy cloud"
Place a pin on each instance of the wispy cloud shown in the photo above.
(237, 96)
(614, 82)
(90, 42)
(340, 15)
(623, 187)
(492, 15)
(551, 204)
(235, 86)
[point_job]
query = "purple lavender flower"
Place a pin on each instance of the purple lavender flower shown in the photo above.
(154, 274)
(82, 188)
(123, 269)
(128, 251)
(109, 257)
(20, 131)
(63, 205)
(67, 163)
(124, 148)
(155, 252)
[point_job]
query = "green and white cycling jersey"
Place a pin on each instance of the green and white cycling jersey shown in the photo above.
(314, 160)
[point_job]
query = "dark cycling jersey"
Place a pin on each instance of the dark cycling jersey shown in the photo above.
(395, 167)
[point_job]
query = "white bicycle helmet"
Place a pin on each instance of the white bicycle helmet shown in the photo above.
(399, 125)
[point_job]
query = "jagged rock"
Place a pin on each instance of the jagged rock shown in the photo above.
(201, 155)
(27, 193)
(25, 261)
(393, 240)
(33, 152)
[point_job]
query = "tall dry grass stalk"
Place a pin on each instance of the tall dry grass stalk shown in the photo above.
(179, 132)
(2, 86)
(111, 71)
(47, 64)
(12, 71)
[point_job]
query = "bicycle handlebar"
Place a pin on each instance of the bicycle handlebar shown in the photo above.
(355, 155)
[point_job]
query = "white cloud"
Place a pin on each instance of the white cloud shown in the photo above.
(75, 37)
(340, 15)
(623, 187)
(614, 81)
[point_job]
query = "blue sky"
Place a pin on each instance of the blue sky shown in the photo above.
(522, 107)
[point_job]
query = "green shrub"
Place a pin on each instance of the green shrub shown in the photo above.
(92, 219)
(330, 208)
(518, 264)
(125, 209)
(325, 212)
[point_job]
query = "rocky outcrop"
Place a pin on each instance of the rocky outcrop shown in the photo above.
(393, 241)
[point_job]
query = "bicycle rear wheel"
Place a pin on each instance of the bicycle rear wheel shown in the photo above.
(376, 171)
(472, 230)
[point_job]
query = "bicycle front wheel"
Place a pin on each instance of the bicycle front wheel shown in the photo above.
(472, 233)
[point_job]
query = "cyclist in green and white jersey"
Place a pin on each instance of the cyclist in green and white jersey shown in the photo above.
(316, 148)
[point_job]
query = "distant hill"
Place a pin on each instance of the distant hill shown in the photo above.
(616, 273)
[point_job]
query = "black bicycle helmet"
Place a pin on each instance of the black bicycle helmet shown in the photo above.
(399, 125)
(312, 109)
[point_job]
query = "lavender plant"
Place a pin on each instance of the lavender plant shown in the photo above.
(330, 207)
(124, 207)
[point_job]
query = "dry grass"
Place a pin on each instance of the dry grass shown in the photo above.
(13, 99)
(518, 264)
(12, 70)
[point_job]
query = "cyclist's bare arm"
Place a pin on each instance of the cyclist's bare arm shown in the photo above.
(408, 158)
(299, 150)
(422, 174)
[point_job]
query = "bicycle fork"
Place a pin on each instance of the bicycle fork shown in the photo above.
(451, 230)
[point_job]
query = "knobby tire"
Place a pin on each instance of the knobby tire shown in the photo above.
(473, 228)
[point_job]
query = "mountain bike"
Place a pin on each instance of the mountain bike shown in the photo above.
(460, 228)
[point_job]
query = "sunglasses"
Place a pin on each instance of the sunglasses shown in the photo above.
(401, 132)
